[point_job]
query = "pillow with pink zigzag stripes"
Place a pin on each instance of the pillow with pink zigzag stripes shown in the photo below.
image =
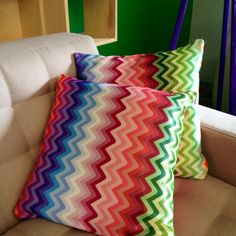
(173, 71)
(106, 160)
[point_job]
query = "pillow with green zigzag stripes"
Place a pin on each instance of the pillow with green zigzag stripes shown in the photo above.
(172, 71)
(107, 158)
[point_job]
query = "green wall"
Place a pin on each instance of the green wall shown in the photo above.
(147, 26)
(76, 16)
(143, 26)
(209, 27)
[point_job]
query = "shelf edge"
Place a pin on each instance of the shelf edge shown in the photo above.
(103, 41)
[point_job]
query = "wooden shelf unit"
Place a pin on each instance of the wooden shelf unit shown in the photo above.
(27, 18)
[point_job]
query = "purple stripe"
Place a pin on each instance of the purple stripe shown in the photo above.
(224, 41)
(178, 24)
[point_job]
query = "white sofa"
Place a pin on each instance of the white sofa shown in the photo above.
(28, 70)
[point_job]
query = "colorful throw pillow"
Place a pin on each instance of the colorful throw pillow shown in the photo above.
(107, 158)
(175, 72)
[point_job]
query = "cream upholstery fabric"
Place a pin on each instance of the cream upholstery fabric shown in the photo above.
(41, 227)
(220, 150)
(28, 70)
(204, 208)
(217, 120)
(219, 143)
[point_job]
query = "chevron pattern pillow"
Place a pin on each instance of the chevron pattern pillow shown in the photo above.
(173, 71)
(107, 158)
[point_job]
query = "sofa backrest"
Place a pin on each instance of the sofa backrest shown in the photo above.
(28, 71)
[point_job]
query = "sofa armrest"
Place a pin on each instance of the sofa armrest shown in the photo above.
(219, 143)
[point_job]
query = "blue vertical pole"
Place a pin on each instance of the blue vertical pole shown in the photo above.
(224, 41)
(178, 24)
(232, 98)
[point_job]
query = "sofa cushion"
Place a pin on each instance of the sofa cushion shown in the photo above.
(173, 71)
(107, 158)
(41, 227)
(204, 208)
(219, 143)
(28, 70)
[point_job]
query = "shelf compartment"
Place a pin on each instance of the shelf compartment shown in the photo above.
(23, 18)
(100, 20)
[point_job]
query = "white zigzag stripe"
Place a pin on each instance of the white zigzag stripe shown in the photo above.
(91, 139)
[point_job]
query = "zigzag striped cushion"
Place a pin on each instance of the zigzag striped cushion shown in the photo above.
(107, 158)
(175, 72)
